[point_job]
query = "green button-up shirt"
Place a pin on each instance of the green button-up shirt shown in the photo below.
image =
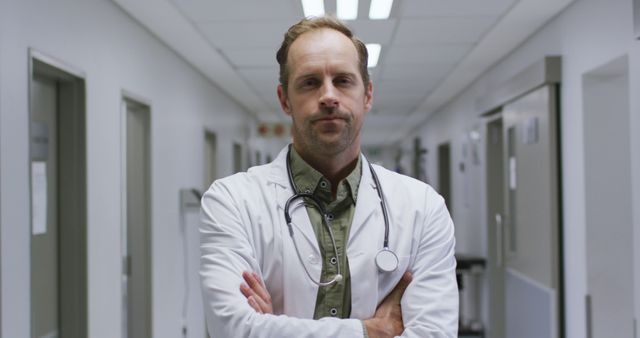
(334, 300)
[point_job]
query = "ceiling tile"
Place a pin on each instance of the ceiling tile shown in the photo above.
(431, 8)
(373, 31)
(251, 57)
(246, 33)
(426, 54)
(433, 71)
(449, 30)
(200, 11)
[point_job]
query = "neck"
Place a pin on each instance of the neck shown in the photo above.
(334, 167)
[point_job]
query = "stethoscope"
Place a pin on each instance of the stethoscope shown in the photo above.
(386, 259)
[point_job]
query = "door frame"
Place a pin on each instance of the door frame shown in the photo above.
(545, 72)
(129, 98)
(74, 313)
(495, 268)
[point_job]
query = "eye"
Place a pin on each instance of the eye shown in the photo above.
(308, 83)
(343, 81)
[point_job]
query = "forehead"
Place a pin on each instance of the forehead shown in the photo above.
(322, 47)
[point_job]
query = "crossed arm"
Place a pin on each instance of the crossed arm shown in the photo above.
(227, 245)
(386, 323)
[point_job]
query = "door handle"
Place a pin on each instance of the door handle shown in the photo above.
(499, 240)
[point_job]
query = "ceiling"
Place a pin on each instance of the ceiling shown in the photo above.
(431, 49)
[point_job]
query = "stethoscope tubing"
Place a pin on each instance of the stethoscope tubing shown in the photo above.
(307, 196)
(327, 223)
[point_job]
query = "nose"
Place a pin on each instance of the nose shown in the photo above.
(328, 96)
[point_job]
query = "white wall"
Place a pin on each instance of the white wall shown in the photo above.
(116, 54)
(587, 35)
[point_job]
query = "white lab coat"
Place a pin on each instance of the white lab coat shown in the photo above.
(243, 229)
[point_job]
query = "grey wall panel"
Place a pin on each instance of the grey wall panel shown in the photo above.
(529, 308)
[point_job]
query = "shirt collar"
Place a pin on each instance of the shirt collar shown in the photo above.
(308, 179)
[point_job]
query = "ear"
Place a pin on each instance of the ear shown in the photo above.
(368, 96)
(284, 101)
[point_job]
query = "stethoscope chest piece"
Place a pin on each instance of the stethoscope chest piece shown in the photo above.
(386, 260)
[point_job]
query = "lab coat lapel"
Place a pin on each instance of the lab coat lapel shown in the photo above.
(367, 201)
(364, 238)
(295, 281)
(300, 217)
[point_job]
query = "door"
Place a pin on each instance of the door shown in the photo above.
(58, 203)
(136, 235)
(44, 197)
(210, 158)
(495, 236)
(237, 157)
(532, 236)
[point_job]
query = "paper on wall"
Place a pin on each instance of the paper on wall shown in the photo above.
(39, 197)
(512, 173)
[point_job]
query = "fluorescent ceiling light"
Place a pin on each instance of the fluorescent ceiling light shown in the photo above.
(374, 53)
(380, 9)
(347, 9)
(313, 8)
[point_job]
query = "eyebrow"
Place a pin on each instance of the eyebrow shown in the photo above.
(312, 74)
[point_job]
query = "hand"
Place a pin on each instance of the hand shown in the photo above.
(387, 321)
(257, 296)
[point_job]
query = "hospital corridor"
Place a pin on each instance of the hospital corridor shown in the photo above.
(116, 116)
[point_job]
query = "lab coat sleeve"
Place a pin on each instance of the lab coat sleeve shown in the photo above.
(430, 303)
(226, 251)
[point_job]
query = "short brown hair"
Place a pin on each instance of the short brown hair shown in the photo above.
(310, 24)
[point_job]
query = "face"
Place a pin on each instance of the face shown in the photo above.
(326, 97)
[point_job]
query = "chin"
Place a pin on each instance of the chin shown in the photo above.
(333, 146)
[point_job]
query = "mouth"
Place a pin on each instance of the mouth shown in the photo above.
(331, 118)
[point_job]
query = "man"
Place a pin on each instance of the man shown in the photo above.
(274, 265)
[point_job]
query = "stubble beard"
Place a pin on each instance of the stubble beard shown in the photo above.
(311, 139)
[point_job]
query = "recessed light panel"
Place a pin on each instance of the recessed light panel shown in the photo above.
(380, 9)
(347, 9)
(313, 8)
(374, 53)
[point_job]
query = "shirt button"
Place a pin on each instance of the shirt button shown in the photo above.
(330, 217)
(333, 311)
(307, 191)
(323, 184)
(334, 260)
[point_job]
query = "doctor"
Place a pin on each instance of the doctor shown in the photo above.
(319, 243)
